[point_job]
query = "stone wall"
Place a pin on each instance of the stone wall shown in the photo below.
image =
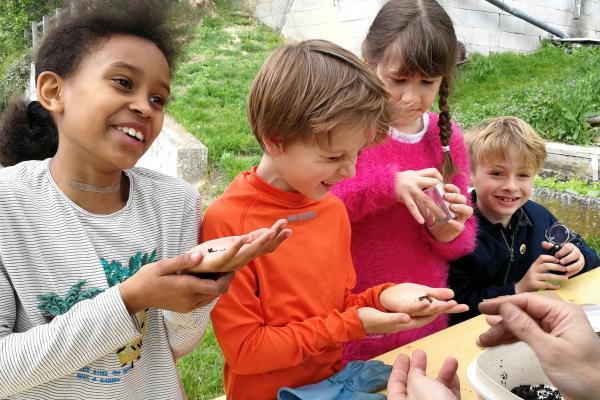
(480, 25)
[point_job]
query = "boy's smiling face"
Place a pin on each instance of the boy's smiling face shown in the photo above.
(502, 187)
(312, 169)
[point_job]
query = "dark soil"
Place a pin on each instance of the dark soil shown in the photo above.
(538, 392)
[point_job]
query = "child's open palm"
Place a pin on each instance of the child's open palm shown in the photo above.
(233, 252)
(409, 306)
(421, 302)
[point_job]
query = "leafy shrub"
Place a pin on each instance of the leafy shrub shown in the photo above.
(14, 81)
(553, 89)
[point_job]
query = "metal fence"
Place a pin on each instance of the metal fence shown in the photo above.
(271, 12)
(48, 22)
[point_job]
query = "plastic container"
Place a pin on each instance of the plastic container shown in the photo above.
(497, 370)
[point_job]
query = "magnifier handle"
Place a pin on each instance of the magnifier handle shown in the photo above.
(552, 251)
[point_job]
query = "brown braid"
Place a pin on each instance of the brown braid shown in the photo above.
(445, 125)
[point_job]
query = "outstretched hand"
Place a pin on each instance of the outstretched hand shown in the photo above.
(422, 303)
(558, 332)
(233, 252)
(409, 381)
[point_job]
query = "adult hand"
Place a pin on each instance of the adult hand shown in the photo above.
(409, 191)
(449, 230)
(557, 331)
(159, 285)
(540, 276)
(409, 381)
(233, 252)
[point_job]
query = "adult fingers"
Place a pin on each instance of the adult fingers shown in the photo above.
(525, 328)
(447, 374)
(535, 305)
(418, 363)
(496, 335)
(397, 384)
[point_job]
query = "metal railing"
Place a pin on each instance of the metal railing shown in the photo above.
(47, 22)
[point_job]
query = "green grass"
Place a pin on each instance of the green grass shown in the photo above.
(212, 82)
(202, 370)
(553, 88)
(581, 187)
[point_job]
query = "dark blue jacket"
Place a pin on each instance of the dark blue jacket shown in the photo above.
(498, 262)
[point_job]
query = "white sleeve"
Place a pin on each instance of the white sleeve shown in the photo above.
(185, 330)
(90, 330)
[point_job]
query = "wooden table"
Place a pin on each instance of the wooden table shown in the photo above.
(459, 340)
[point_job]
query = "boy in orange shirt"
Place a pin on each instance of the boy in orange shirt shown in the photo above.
(313, 106)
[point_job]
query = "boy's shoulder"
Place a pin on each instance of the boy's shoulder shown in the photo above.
(536, 210)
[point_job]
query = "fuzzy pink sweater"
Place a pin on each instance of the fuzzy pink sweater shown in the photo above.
(388, 245)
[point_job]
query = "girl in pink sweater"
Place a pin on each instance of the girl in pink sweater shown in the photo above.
(412, 47)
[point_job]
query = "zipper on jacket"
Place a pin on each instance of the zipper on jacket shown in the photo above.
(512, 256)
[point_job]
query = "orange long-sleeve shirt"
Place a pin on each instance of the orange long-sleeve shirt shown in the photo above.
(286, 315)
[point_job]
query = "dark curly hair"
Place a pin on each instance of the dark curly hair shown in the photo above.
(28, 131)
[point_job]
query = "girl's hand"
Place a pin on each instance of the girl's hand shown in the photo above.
(233, 252)
(159, 285)
(450, 230)
(571, 254)
(540, 276)
(422, 303)
(408, 380)
(409, 191)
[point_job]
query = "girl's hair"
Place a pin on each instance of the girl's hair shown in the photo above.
(28, 131)
(418, 37)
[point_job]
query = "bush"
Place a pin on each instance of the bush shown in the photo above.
(15, 79)
(554, 89)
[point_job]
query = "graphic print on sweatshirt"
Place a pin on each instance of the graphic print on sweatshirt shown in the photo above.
(52, 305)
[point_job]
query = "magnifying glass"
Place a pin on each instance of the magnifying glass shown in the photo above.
(558, 234)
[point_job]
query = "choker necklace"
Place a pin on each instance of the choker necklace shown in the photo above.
(86, 187)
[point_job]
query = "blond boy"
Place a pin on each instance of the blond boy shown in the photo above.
(511, 253)
(312, 107)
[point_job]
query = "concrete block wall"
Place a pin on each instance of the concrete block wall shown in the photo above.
(480, 25)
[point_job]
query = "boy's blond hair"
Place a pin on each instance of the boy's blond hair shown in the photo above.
(305, 90)
(490, 141)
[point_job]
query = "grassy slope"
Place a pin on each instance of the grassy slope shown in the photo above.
(211, 85)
